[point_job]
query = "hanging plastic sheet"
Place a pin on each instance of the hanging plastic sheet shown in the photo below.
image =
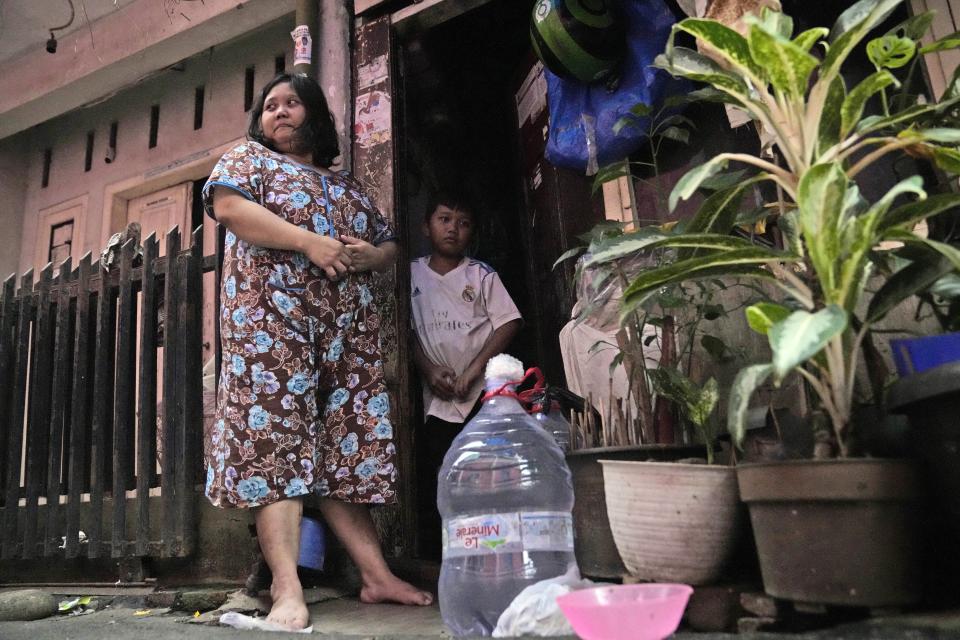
(582, 116)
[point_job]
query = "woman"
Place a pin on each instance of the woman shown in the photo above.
(298, 319)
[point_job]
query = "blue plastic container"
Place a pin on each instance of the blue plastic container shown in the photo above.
(313, 544)
(914, 355)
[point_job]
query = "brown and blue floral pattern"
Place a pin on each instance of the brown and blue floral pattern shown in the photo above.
(302, 405)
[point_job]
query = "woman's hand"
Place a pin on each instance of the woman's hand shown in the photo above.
(363, 255)
(329, 254)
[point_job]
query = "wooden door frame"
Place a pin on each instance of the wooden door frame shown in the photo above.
(377, 166)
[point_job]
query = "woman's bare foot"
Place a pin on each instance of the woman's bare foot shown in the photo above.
(289, 609)
(393, 589)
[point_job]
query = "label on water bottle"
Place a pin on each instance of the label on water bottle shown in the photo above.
(508, 533)
(547, 530)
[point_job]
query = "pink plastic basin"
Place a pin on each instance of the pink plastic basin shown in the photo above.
(626, 612)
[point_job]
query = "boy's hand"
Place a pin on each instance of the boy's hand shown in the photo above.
(441, 381)
(363, 255)
(465, 382)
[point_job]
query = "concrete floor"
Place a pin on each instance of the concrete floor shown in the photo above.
(339, 616)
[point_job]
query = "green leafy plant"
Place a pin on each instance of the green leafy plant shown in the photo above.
(682, 311)
(820, 142)
(676, 326)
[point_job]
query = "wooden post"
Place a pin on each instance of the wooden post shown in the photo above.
(79, 407)
(38, 409)
(59, 433)
(171, 392)
(147, 427)
(190, 365)
(373, 162)
(102, 424)
(8, 325)
(123, 407)
(15, 439)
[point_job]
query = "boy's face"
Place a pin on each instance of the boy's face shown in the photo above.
(449, 231)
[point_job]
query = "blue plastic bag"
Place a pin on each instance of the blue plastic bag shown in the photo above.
(313, 544)
(582, 116)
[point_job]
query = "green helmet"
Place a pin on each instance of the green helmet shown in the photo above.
(578, 39)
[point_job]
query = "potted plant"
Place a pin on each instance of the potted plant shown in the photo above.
(668, 520)
(817, 318)
(673, 515)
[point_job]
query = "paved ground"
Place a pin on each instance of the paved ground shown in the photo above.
(341, 617)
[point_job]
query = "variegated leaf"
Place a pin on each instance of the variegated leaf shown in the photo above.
(627, 244)
(810, 37)
(941, 135)
(686, 63)
(729, 44)
(719, 212)
(852, 107)
(914, 27)
(763, 315)
(951, 41)
(909, 214)
(864, 13)
(821, 198)
(947, 159)
(704, 402)
(788, 66)
(849, 29)
(829, 130)
(775, 22)
(891, 52)
(802, 335)
(744, 384)
(714, 263)
(949, 252)
(871, 124)
(691, 181)
(907, 282)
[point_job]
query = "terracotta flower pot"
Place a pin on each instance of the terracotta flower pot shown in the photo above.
(673, 522)
(596, 552)
(835, 531)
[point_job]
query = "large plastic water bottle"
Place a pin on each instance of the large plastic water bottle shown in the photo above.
(549, 416)
(505, 496)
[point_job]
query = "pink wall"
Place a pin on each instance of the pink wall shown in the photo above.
(221, 70)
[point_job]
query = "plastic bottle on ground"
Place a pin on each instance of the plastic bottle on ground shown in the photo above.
(505, 497)
(554, 423)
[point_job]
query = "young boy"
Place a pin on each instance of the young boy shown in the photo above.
(463, 316)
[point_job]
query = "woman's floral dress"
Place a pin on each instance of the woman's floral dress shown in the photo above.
(302, 405)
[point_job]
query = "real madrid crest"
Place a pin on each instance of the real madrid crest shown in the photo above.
(469, 293)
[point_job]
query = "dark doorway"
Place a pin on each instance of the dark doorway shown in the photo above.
(458, 132)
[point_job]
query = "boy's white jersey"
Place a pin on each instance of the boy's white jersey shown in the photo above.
(454, 315)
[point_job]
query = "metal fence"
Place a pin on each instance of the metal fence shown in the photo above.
(100, 372)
